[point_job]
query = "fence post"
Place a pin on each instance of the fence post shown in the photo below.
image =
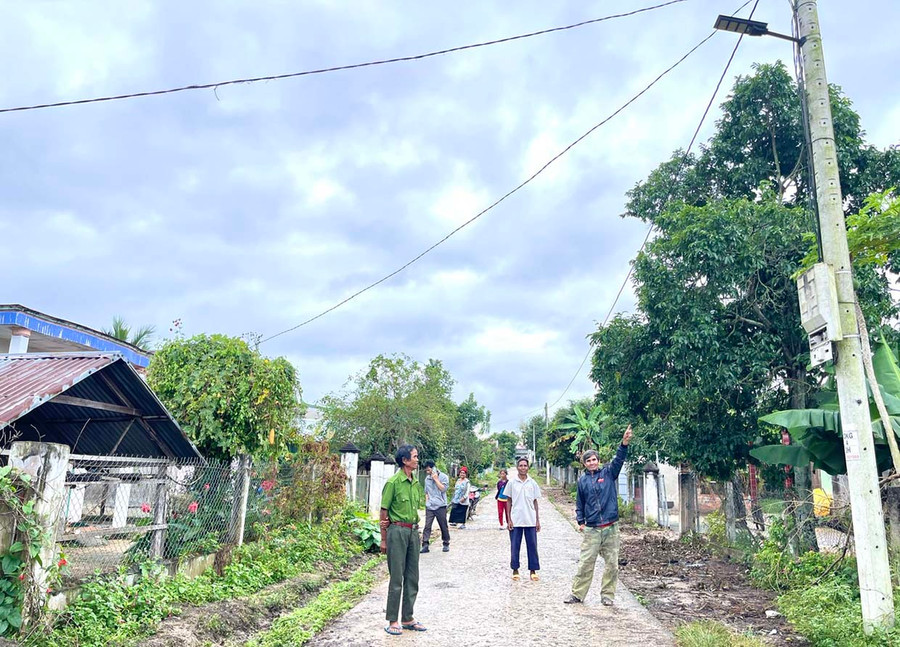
(730, 525)
(350, 461)
(160, 511)
(376, 483)
(47, 464)
(687, 497)
(241, 495)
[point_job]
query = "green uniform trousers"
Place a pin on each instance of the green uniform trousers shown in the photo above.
(603, 542)
(403, 567)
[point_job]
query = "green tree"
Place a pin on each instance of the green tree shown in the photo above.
(716, 341)
(506, 448)
(142, 337)
(227, 397)
(559, 445)
(395, 400)
(535, 430)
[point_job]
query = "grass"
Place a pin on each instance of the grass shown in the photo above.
(708, 633)
(296, 628)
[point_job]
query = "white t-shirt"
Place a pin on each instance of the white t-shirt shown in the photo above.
(522, 495)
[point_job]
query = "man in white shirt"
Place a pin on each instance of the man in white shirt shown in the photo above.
(523, 519)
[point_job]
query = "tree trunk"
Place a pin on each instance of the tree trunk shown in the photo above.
(755, 509)
(892, 512)
(803, 510)
(805, 534)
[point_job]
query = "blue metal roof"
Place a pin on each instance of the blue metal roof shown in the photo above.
(17, 315)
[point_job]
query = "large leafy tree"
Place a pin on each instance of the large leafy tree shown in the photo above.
(395, 400)
(228, 398)
(534, 431)
(716, 341)
(505, 454)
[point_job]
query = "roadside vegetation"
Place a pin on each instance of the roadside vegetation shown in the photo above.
(126, 608)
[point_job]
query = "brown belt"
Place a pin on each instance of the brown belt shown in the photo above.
(412, 526)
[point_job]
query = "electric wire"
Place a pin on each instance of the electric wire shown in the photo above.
(339, 68)
(496, 202)
(674, 183)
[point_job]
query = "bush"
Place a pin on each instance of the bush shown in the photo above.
(829, 615)
(773, 567)
(114, 610)
(708, 633)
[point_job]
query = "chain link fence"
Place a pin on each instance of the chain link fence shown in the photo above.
(119, 511)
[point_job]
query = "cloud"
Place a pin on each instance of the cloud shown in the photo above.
(256, 207)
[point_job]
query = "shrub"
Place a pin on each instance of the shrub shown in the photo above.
(829, 615)
(708, 633)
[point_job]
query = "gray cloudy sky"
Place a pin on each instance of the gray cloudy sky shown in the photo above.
(255, 207)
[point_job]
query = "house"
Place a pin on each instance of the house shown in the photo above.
(23, 330)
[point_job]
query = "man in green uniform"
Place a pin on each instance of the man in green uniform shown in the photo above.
(400, 500)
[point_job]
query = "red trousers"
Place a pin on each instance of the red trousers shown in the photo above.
(501, 511)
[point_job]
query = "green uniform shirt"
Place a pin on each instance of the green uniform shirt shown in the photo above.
(401, 497)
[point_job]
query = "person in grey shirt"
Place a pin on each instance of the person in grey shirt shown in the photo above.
(436, 485)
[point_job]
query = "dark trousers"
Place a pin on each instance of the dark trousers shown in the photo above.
(403, 568)
(515, 544)
(441, 515)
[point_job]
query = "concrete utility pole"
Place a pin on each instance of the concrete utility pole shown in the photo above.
(859, 446)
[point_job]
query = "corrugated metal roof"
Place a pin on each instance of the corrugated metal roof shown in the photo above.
(30, 382)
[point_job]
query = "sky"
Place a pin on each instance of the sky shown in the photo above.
(252, 208)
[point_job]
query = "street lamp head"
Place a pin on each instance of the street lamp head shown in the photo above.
(742, 26)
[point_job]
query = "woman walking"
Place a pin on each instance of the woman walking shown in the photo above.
(501, 497)
(460, 499)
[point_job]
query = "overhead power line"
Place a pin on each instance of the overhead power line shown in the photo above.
(339, 68)
(496, 202)
(684, 158)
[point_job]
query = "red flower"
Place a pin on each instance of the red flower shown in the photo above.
(206, 486)
(62, 562)
(192, 506)
(22, 577)
(267, 485)
(145, 507)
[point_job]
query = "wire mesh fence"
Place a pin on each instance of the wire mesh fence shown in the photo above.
(119, 511)
(117, 515)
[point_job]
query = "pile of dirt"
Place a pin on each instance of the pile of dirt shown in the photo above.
(683, 581)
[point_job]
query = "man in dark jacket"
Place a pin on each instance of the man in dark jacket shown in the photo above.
(597, 513)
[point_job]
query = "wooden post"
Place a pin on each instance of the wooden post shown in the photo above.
(47, 464)
(160, 511)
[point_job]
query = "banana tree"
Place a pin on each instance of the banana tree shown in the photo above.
(816, 433)
(585, 429)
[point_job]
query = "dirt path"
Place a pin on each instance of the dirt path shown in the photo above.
(467, 597)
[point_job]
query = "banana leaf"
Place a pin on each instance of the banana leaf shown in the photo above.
(816, 433)
(887, 372)
(794, 455)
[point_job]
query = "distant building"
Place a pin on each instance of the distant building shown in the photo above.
(23, 330)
